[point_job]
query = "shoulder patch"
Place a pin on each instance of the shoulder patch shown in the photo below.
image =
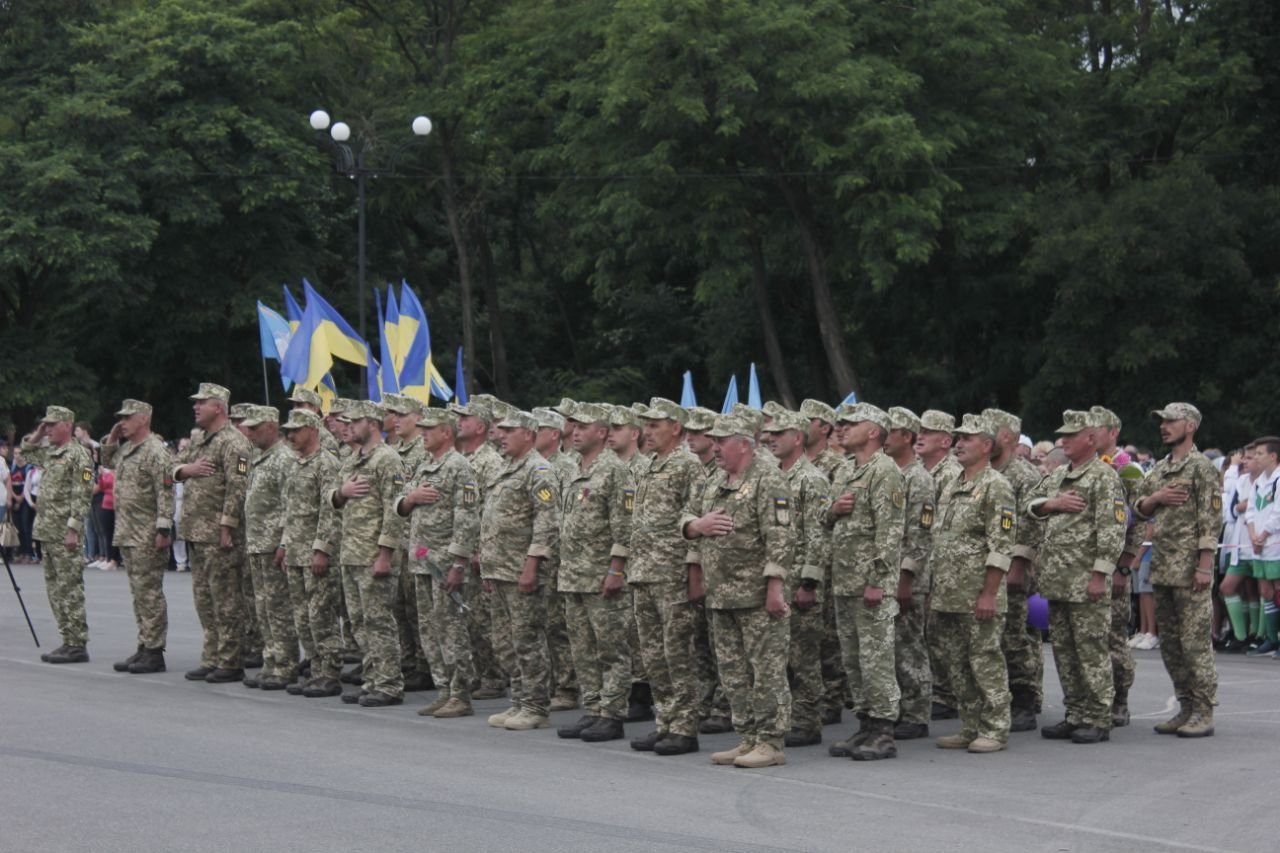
(629, 499)
(1006, 518)
(1216, 502)
(544, 494)
(242, 465)
(398, 479)
(470, 494)
(782, 510)
(1121, 511)
(86, 474)
(926, 515)
(899, 499)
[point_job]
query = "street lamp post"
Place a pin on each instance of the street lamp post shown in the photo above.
(352, 165)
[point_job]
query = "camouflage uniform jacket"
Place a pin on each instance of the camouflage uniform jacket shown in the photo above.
(943, 472)
(305, 487)
(866, 544)
(1131, 476)
(328, 441)
(264, 499)
(447, 530)
(66, 489)
(487, 464)
(370, 522)
(595, 522)
(976, 529)
(217, 500)
(412, 454)
(828, 461)
(143, 490)
(663, 490)
(762, 544)
(1077, 544)
(1024, 478)
(920, 511)
(1181, 532)
(521, 518)
(810, 500)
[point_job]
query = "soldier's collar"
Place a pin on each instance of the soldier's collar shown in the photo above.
(1075, 473)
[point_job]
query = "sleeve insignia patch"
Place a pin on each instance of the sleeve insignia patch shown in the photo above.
(629, 499)
(544, 494)
(469, 494)
(899, 499)
(242, 465)
(926, 516)
(1006, 518)
(1121, 511)
(1216, 502)
(782, 510)
(86, 474)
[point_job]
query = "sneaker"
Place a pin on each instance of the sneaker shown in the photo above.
(499, 720)
(763, 755)
(455, 708)
(183, 567)
(1267, 648)
(1149, 642)
(1135, 639)
(96, 564)
(729, 756)
(525, 720)
(986, 744)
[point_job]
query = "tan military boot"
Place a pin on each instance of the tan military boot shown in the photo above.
(763, 755)
(730, 755)
(455, 708)
(499, 720)
(526, 720)
(986, 744)
(1170, 727)
(431, 709)
(954, 742)
(1199, 725)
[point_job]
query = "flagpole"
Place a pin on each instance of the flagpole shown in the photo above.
(266, 386)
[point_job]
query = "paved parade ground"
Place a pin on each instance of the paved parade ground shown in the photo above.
(95, 760)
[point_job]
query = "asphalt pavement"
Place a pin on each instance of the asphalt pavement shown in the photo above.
(95, 760)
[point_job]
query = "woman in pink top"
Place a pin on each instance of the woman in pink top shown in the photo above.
(105, 513)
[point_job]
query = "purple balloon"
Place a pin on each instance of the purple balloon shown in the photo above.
(1038, 612)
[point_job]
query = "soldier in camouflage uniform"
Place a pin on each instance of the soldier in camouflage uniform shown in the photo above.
(369, 483)
(867, 518)
(252, 632)
(309, 401)
(1022, 644)
(911, 648)
(305, 550)
(821, 423)
(596, 505)
(741, 525)
(972, 547)
(442, 501)
(1182, 497)
(66, 490)
(1084, 536)
(933, 446)
(519, 530)
(403, 435)
(810, 566)
(264, 530)
(564, 683)
(144, 519)
(341, 430)
(214, 472)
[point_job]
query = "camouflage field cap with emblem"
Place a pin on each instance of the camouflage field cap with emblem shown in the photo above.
(432, 416)
(817, 409)
(301, 418)
(864, 413)
(474, 408)
(935, 420)
(549, 418)
(972, 424)
(398, 404)
(133, 407)
(565, 407)
(730, 425)
(1104, 417)
(754, 418)
(304, 395)
(901, 417)
(239, 411)
(340, 405)
(1178, 412)
(787, 420)
(590, 413)
(361, 410)
(212, 391)
(502, 410)
(1074, 421)
(620, 416)
(699, 419)
(662, 409)
(773, 408)
(1000, 419)
(258, 415)
(519, 420)
(58, 414)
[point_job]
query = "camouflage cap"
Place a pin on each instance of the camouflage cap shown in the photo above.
(1000, 419)
(699, 419)
(935, 420)
(623, 416)
(753, 417)
(590, 413)
(474, 408)
(210, 391)
(258, 415)
(133, 407)
(434, 416)
(301, 418)
(864, 413)
(502, 409)
(662, 409)
(565, 407)
(1104, 417)
(519, 420)
(58, 414)
(239, 411)
(787, 420)
(975, 425)
(1178, 412)
(773, 408)
(731, 424)
(817, 409)
(903, 418)
(304, 395)
(1074, 421)
(549, 418)
(361, 410)
(399, 404)
(340, 405)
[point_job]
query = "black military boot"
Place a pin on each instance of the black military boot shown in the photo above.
(575, 731)
(151, 660)
(800, 737)
(123, 665)
(70, 654)
(1022, 712)
(222, 675)
(646, 743)
(601, 730)
(1059, 731)
(673, 744)
(878, 744)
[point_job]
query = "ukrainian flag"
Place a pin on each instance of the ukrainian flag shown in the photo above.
(343, 341)
(308, 359)
(328, 389)
(388, 383)
(418, 375)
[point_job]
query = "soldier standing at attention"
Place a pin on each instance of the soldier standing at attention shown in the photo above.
(549, 444)
(252, 633)
(309, 401)
(305, 549)
(369, 483)
(264, 530)
(144, 519)
(933, 446)
(401, 414)
(519, 529)
(1084, 536)
(742, 525)
(66, 490)
(1181, 496)
(867, 518)
(215, 473)
(821, 423)
(442, 501)
(972, 548)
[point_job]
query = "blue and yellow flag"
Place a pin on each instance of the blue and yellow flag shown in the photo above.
(308, 358)
(459, 380)
(388, 383)
(418, 375)
(343, 341)
(328, 389)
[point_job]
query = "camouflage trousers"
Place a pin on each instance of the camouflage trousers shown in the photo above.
(942, 692)
(219, 598)
(1079, 631)
(346, 622)
(1122, 668)
(866, 639)
(146, 567)
(323, 594)
(564, 682)
(484, 643)
(521, 622)
(251, 628)
(975, 667)
(1022, 652)
(911, 661)
(835, 682)
(275, 617)
(442, 630)
(712, 701)
(804, 663)
(413, 656)
(751, 652)
(64, 582)
(1186, 648)
(666, 623)
(376, 631)
(600, 641)
(298, 603)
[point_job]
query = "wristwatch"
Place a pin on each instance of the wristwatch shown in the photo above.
(1124, 571)
(808, 584)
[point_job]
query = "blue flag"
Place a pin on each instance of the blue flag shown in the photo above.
(459, 381)
(730, 396)
(753, 390)
(273, 336)
(419, 377)
(389, 322)
(687, 398)
(850, 400)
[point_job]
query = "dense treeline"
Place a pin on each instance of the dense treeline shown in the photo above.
(953, 203)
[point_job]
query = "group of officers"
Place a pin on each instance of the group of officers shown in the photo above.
(759, 571)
